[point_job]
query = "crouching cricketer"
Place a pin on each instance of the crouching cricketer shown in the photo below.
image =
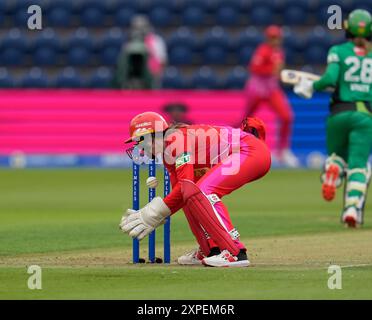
(349, 127)
(205, 163)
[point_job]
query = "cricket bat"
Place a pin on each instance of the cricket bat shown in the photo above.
(293, 76)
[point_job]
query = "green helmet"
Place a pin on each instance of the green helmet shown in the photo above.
(359, 23)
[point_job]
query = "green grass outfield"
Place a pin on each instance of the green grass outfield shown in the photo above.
(66, 221)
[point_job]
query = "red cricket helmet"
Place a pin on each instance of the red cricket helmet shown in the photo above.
(146, 123)
(274, 31)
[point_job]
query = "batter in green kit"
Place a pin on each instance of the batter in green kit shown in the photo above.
(349, 126)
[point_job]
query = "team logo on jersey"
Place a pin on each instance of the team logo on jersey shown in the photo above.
(333, 57)
(183, 159)
(213, 198)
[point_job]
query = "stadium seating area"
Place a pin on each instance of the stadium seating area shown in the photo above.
(209, 42)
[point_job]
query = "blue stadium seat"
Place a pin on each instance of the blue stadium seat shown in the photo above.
(214, 55)
(6, 80)
(180, 55)
(124, 16)
(290, 56)
(13, 47)
(16, 4)
(318, 42)
(193, 12)
(295, 14)
(227, 14)
(182, 36)
(114, 38)
(246, 43)
(35, 78)
(281, 6)
(316, 54)
(160, 16)
(180, 45)
(204, 78)
(111, 6)
(290, 39)
(236, 78)
(92, 13)
(338, 38)
(262, 14)
(172, 79)
(21, 17)
(46, 48)
(123, 12)
(360, 4)
(3, 6)
(294, 46)
(143, 6)
(210, 6)
(176, 6)
(319, 36)
(110, 46)
(68, 78)
(2, 18)
(160, 13)
(3, 10)
(46, 56)
(59, 13)
(9, 7)
(193, 16)
(101, 78)
(109, 56)
(11, 57)
(14, 39)
(215, 46)
(251, 36)
(245, 54)
(217, 36)
(79, 48)
(244, 6)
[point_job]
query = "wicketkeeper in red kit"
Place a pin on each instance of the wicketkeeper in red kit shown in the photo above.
(205, 163)
(263, 86)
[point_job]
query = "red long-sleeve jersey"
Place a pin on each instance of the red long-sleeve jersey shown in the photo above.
(191, 152)
(266, 60)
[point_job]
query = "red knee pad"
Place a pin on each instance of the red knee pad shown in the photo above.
(204, 212)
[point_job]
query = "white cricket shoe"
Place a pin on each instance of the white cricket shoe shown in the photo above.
(194, 257)
(350, 217)
(289, 159)
(226, 259)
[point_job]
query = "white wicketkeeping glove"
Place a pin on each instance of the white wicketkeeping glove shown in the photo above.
(138, 224)
(304, 88)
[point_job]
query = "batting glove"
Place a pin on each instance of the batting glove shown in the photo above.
(304, 88)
